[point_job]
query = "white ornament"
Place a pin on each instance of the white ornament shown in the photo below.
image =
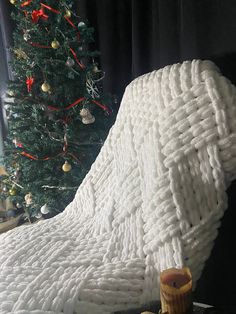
(44, 209)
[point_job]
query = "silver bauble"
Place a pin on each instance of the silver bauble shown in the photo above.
(70, 62)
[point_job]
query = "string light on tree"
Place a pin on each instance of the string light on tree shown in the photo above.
(13, 1)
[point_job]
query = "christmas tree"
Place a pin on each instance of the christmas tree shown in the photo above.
(58, 116)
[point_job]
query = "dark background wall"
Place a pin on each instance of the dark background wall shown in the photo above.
(138, 36)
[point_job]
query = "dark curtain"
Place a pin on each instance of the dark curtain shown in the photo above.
(5, 73)
(138, 36)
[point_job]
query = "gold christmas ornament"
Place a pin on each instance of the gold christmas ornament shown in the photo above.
(13, 1)
(45, 87)
(66, 167)
(12, 191)
(55, 44)
(68, 13)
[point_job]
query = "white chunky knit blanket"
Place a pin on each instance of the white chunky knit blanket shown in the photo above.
(152, 200)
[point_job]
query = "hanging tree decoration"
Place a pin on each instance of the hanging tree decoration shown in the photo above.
(70, 62)
(87, 117)
(55, 44)
(44, 209)
(27, 35)
(76, 58)
(29, 83)
(37, 14)
(24, 4)
(67, 14)
(20, 54)
(46, 87)
(92, 89)
(66, 167)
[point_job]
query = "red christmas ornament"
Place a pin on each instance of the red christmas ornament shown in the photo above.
(29, 83)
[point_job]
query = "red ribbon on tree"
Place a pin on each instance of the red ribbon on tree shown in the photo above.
(73, 25)
(50, 8)
(105, 108)
(33, 157)
(40, 46)
(37, 14)
(68, 107)
(76, 59)
(29, 83)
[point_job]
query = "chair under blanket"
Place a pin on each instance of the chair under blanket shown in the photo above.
(152, 200)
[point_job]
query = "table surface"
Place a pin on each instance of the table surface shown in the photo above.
(198, 308)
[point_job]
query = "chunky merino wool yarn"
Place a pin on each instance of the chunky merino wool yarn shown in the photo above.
(152, 200)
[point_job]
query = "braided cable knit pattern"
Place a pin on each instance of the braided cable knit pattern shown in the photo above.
(153, 199)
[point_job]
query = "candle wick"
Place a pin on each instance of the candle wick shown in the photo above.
(174, 284)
